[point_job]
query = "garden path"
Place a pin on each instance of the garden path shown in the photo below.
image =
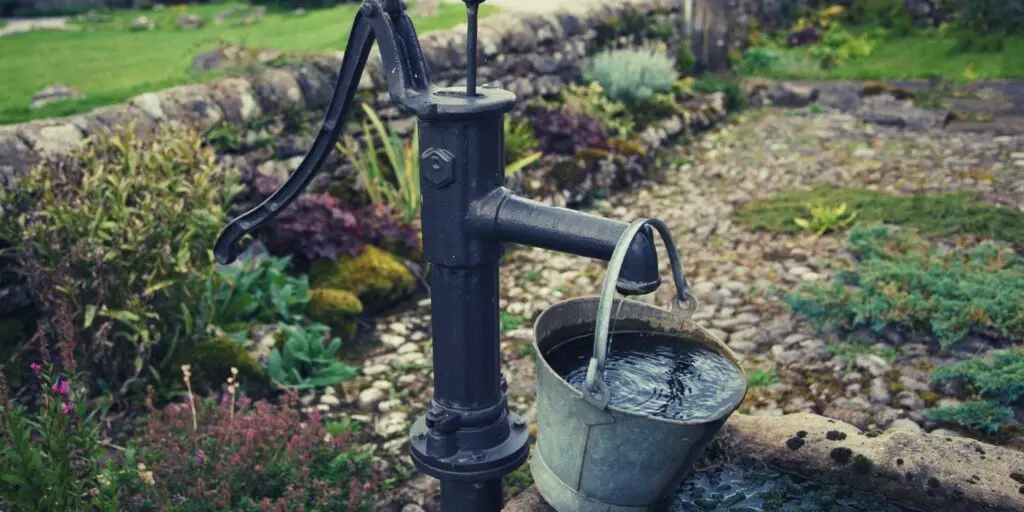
(10, 26)
(729, 268)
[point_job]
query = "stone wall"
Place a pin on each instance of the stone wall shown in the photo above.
(530, 54)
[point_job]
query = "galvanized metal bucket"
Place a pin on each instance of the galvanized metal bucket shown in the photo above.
(591, 456)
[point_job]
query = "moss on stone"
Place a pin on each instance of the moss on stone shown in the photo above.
(377, 277)
(337, 309)
(211, 363)
(945, 213)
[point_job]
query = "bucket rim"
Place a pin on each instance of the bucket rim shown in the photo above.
(717, 345)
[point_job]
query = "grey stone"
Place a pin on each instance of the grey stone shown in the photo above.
(879, 392)
(907, 424)
(909, 400)
(13, 298)
(54, 93)
(873, 364)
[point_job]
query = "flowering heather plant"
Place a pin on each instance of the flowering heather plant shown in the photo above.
(55, 461)
(247, 456)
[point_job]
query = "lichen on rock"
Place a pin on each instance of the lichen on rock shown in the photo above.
(376, 277)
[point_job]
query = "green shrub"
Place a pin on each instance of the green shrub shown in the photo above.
(258, 291)
(735, 99)
(932, 214)
(590, 100)
(761, 378)
(999, 377)
(901, 280)
(979, 415)
(990, 16)
(971, 42)
(632, 75)
(115, 242)
(878, 12)
(54, 460)
(307, 359)
(685, 59)
(757, 60)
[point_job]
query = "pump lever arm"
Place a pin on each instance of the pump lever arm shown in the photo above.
(386, 22)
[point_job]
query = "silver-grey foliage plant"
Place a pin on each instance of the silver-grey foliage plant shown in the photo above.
(632, 75)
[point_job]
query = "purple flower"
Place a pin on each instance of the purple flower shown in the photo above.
(67, 408)
(200, 458)
(63, 388)
(35, 367)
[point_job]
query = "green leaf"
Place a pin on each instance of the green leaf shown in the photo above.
(90, 315)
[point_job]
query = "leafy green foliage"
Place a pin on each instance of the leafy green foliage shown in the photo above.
(115, 241)
(257, 290)
(520, 142)
(901, 280)
(509, 321)
(848, 350)
(631, 76)
(761, 378)
(307, 359)
(985, 416)
(878, 12)
(990, 16)
(1000, 377)
(735, 98)
(53, 461)
(686, 60)
(590, 100)
(932, 214)
(758, 59)
(824, 219)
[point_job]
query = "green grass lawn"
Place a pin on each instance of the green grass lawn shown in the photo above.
(109, 63)
(917, 56)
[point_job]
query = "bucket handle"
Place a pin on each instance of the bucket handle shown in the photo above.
(684, 300)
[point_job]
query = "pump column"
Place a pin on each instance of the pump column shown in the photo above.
(468, 439)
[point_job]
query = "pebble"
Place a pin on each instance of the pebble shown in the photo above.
(399, 328)
(392, 340)
(873, 364)
(370, 397)
(330, 400)
(878, 392)
(906, 424)
(945, 433)
(909, 400)
(383, 385)
(409, 348)
(375, 369)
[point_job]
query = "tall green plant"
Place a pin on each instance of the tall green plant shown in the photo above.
(54, 460)
(114, 241)
(402, 189)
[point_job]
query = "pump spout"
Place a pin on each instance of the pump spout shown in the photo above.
(505, 217)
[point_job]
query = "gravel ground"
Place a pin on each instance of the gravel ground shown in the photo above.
(766, 152)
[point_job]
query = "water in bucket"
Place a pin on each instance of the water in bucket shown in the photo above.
(656, 374)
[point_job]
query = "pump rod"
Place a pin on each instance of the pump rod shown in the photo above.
(471, 12)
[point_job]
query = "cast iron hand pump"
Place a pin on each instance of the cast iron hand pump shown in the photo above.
(468, 439)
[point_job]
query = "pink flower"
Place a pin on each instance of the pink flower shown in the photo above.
(63, 388)
(67, 408)
(35, 367)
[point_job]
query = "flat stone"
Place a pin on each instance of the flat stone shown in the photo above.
(369, 398)
(906, 424)
(392, 340)
(873, 364)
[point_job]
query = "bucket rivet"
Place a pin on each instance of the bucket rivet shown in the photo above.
(421, 436)
(518, 422)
